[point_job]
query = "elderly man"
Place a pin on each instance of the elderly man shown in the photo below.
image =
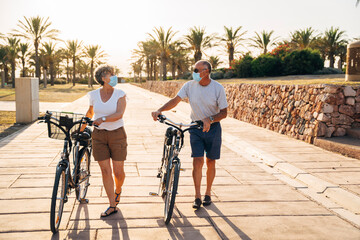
(208, 103)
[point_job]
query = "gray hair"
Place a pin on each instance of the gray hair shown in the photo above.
(206, 64)
(101, 71)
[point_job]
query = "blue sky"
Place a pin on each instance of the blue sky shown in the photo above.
(119, 25)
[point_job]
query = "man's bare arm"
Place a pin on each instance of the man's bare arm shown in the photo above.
(166, 107)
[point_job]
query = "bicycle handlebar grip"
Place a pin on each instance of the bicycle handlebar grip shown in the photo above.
(161, 118)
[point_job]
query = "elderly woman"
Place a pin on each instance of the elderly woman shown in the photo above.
(109, 137)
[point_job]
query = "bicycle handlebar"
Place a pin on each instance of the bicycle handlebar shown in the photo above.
(84, 120)
(163, 118)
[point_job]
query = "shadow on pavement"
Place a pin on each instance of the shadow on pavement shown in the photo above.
(180, 226)
(84, 231)
(118, 225)
(204, 213)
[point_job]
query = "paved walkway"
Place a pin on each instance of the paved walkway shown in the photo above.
(268, 186)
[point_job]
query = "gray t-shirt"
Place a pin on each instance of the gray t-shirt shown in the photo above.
(205, 101)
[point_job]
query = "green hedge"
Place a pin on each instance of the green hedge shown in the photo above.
(266, 65)
(305, 61)
(242, 67)
(277, 63)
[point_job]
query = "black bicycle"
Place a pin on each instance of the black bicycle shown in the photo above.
(69, 174)
(169, 170)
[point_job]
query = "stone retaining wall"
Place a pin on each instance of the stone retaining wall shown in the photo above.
(300, 111)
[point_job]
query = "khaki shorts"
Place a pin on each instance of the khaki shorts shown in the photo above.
(109, 144)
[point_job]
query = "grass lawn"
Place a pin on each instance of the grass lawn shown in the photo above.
(7, 123)
(56, 93)
(338, 79)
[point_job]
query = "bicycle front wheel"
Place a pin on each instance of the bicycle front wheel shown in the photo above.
(171, 191)
(83, 173)
(58, 199)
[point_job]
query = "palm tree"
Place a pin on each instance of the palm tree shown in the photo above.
(232, 39)
(303, 38)
(263, 40)
(96, 55)
(3, 62)
(75, 50)
(341, 52)
(142, 54)
(13, 50)
(163, 40)
(36, 29)
(49, 53)
(137, 69)
(65, 53)
(198, 41)
(331, 41)
(177, 51)
(215, 61)
(24, 50)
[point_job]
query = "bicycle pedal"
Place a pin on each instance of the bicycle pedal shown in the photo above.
(65, 199)
(153, 194)
(182, 169)
(84, 200)
(158, 175)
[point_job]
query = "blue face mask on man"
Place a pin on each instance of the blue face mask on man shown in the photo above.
(113, 81)
(196, 76)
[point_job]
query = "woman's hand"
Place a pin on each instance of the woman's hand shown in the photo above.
(98, 121)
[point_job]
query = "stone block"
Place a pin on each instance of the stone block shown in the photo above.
(328, 108)
(346, 109)
(339, 132)
(350, 101)
(349, 91)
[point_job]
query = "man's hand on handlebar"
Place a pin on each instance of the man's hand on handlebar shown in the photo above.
(206, 124)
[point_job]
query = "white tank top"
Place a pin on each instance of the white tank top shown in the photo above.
(103, 109)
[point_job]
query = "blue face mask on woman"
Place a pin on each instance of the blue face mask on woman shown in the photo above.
(113, 81)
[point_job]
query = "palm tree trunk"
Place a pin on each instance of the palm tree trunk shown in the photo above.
(151, 69)
(148, 69)
(91, 73)
(6, 71)
(332, 60)
(23, 67)
(13, 74)
(67, 70)
(197, 55)
(74, 73)
(37, 62)
(163, 61)
(231, 56)
(52, 74)
(173, 69)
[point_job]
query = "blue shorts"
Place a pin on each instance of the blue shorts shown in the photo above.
(209, 142)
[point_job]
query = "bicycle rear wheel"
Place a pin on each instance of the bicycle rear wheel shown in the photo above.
(58, 199)
(171, 191)
(82, 174)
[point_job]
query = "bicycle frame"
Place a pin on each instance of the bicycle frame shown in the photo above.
(64, 159)
(177, 142)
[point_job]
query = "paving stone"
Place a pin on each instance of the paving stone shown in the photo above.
(46, 235)
(285, 227)
(257, 193)
(29, 222)
(200, 233)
